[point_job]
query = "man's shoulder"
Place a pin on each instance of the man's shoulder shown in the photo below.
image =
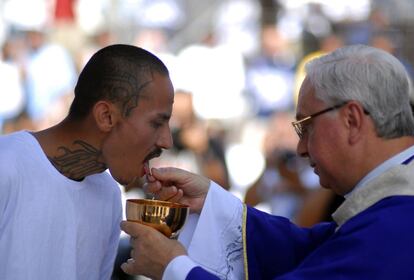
(389, 214)
(14, 139)
(397, 205)
(14, 144)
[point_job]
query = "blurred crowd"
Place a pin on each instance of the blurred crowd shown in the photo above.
(236, 66)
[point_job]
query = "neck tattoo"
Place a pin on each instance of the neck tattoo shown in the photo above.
(78, 163)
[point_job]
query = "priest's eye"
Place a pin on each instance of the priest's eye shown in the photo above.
(304, 128)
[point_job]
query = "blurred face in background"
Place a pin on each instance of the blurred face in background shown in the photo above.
(183, 114)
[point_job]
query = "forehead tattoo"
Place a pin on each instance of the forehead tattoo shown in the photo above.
(124, 86)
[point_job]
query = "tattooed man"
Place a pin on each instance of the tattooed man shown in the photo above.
(59, 210)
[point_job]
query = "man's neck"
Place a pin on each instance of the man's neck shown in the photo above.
(78, 160)
(72, 153)
(393, 147)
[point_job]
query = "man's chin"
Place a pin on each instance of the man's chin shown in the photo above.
(124, 181)
(325, 187)
(328, 187)
(133, 183)
(324, 184)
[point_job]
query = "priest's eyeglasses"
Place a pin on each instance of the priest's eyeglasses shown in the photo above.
(300, 125)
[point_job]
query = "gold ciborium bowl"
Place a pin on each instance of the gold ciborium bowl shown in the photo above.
(165, 216)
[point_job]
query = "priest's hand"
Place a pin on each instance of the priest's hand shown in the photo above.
(177, 185)
(151, 251)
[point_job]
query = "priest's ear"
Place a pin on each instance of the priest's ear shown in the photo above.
(356, 121)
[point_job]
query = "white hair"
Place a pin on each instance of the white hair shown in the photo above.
(370, 76)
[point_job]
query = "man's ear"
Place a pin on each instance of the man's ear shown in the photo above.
(106, 115)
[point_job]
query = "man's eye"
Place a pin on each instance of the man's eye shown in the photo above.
(156, 124)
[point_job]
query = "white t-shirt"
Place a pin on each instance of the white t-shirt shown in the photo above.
(52, 227)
